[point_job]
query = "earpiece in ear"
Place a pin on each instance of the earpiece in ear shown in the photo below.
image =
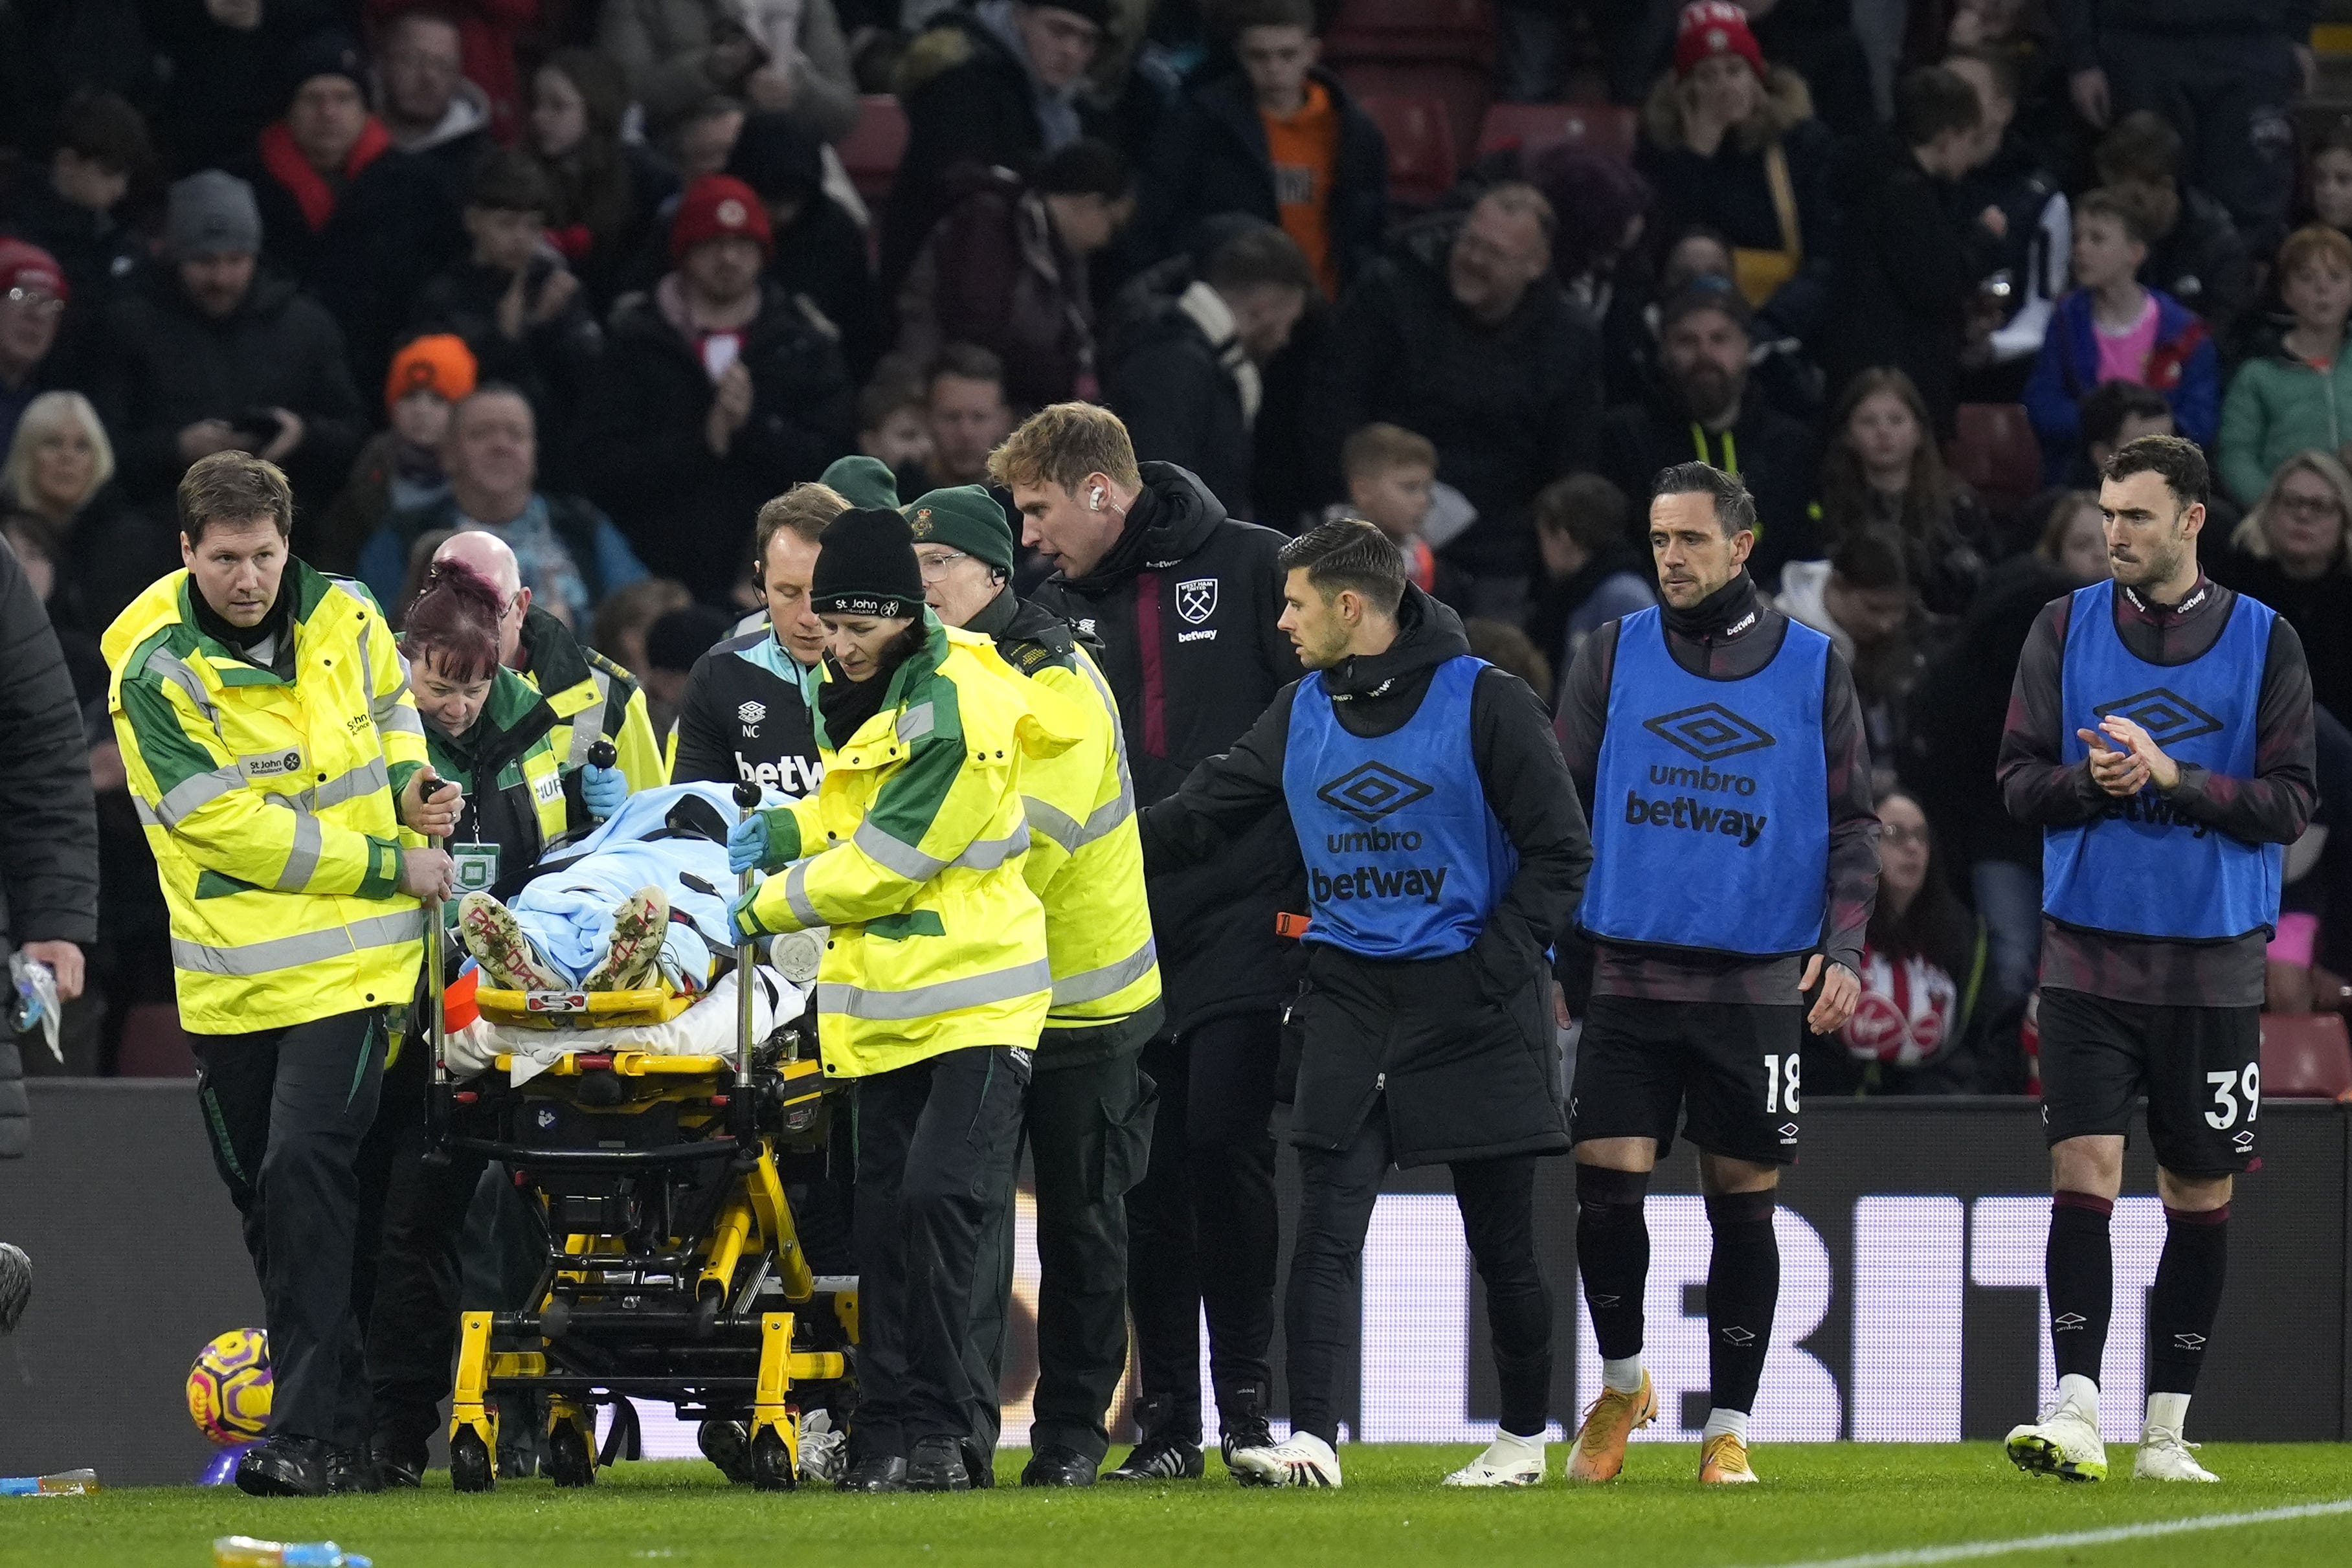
(1095, 500)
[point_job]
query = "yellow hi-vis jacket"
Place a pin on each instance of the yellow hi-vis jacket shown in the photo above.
(593, 699)
(911, 851)
(1085, 855)
(270, 804)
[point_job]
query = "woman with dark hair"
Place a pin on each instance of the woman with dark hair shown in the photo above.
(607, 190)
(1915, 1029)
(487, 730)
(1882, 470)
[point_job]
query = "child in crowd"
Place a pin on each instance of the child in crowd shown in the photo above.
(2110, 328)
(1390, 474)
(894, 425)
(400, 468)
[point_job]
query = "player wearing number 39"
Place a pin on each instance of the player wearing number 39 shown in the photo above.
(1719, 749)
(2161, 735)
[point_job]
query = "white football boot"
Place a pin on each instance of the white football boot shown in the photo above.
(1301, 1459)
(2163, 1456)
(2066, 1443)
(1510, 1462)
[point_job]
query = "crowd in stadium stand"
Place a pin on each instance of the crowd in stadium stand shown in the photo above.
(603, 276)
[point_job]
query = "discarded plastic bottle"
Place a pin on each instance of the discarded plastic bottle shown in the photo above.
(64, 1483)
(245, 1552)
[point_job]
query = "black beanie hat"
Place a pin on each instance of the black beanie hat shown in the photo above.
(866, 566)
(329, 52)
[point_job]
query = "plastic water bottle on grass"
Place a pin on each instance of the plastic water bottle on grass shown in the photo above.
(245, 1552)
(64, 1483)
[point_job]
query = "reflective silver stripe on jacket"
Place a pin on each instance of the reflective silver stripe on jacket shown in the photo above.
(897, 855)
(588, 724)
(302, 860)
(1094, 984)
(283, 952)
(796, 895)
(917, 723)
(926, 1001)
(1067, 830)
(357, 784)
(177, 672)
(386, 710)
(194, 793)
(1118, 731)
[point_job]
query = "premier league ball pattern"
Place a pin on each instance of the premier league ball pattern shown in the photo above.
(228, 1388)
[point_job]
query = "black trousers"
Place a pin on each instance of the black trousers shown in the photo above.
(1202, 1229)
(936, 1146)
(1089, 1130)
(411, 1322)
(1322, 1310)
(286, 1111)
(2228, 97)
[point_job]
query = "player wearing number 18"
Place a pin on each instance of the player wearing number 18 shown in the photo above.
(2161, 735)
(1720, 748)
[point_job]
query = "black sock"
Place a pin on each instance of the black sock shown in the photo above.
(1743, 1285)
(2185, 1296)
(1612, 1252)
(2079, 1268)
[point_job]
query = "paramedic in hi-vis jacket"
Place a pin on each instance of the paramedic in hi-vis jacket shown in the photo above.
(934, 981)
(275, 756)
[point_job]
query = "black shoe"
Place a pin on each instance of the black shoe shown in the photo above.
(1058, 1468)
(284, 1467)
(875, 1473)
(397, 1469)
(1243, 1425)
(351, 1470)
(1161, 1457)
(979, 1465)
(937, 1466)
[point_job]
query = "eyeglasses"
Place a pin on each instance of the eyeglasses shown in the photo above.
(935, 568)
(1903, 838)
(2307, 505)
(38, 301)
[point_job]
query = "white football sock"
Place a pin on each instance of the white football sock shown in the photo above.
(2167, 1411)
(1624, 1377)
(2080, 1392)
(1510, 1444)
(1719, 1422)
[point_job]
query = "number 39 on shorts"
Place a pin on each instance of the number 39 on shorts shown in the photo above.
(2227, 1088)
(1780, 1085)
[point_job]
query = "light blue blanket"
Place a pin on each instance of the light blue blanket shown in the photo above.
(568, 915)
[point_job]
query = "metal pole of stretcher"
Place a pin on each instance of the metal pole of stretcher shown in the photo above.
(747, 800)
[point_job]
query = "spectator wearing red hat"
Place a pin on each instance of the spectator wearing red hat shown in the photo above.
(400, 468)
(1730, 143)
(715, 393)
(33, 293)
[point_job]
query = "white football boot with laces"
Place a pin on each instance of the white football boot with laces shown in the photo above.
(2066, 1443)
(2163, 1456)
(1508, 1461)
(1301, 1459)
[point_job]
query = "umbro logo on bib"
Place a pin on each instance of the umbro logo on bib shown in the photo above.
(2167, 716)
(1372, 791)
(1710, 731)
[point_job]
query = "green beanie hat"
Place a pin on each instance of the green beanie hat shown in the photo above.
(966, 518)
(862, 482)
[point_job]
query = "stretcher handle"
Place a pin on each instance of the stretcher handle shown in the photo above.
(747, 800)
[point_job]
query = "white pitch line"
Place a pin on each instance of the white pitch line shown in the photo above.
(1962, 1551)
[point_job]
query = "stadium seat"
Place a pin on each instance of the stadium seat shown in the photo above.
(153, 1044)
(1421, 167)
(1462, 90)
(2305, 1056)
(875, 144)
(1602, 127)
(1460, 31)
(1995, 451)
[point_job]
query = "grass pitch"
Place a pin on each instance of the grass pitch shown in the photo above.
(1819, 1503)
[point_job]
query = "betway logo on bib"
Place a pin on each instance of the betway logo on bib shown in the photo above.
(793, 775)
(1368, 792)
(1709, 732)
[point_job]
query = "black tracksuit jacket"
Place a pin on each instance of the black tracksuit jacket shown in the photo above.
(1458, 1050)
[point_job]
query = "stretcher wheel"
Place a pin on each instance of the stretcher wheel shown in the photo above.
(724, 1445)
(569, 1462)
(471, 1469)
(771, 1463)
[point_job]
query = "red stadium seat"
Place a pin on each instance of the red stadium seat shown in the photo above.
(1602, 127)
(1461, 31)
(1995, 451)
(875, 144)
(2305, 1056)
(153, 1044)
(1421, 167)
(1462, 90)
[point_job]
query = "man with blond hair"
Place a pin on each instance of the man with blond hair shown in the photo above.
(1184, 602)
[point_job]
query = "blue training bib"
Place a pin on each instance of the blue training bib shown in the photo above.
(1710, 811)
(2141, 868)
(1404, 859)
